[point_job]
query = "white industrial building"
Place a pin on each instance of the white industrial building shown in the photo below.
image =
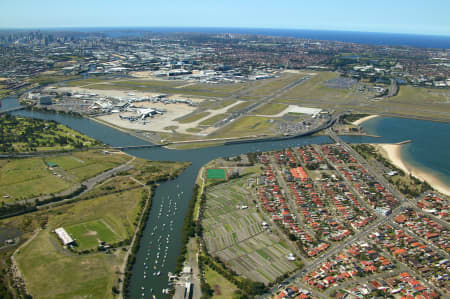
(64, 236)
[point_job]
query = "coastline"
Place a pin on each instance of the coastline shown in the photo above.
(393, 153)
(363, 119)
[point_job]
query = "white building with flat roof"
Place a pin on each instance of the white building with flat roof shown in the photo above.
(63, 236)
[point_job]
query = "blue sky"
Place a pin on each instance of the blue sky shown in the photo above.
(413, 16)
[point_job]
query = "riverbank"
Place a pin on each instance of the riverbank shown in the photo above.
(393, 153)
(363, 119)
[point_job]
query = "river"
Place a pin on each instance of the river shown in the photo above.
(163, 230)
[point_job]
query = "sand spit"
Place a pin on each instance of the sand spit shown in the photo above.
(393, 153)
(361, 120)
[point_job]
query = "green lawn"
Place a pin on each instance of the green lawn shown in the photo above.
(89, 234)
(270, 109)
(223, 104)
(27, 178)
(48, 79)
(21, 134)
(50, 273)
(194, 117)
(194, 130)
(69, 275)
(239, 106)
(223, 289)
(212, 120)
(269, 86)
(421, 95)
(84, 165)
(245, 126)
(314, 89)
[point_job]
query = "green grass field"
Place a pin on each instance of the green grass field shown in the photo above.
(216, 174)
(31, 177)
(194, 130)
(69, 275)
(421, 95)
(89, 234)
(21, 134)
(314, 89)
(239, 107)
(212, 120)
(194, 117)
(417, 101)
(48, 79)
(223, 104)
(27, 178)
(223, 289)
(85, 81)
(66, 276)
(270, 109)
(84, 165)
(269, 86)
(245, 126)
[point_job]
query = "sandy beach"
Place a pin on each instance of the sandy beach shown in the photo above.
(361, 120)
(393, 153)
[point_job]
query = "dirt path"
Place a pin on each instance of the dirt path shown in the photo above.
(17, 276)
(133, 241)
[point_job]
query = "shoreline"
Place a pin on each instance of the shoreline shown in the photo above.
(393, 153)
(363, 119)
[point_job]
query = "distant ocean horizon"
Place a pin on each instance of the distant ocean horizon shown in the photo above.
(370, 38)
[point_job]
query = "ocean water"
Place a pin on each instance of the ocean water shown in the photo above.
(430, 146)
(371, 38)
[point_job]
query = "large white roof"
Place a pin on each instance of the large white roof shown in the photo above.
(63, 236)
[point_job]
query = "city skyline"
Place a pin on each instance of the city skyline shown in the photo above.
(385, 17)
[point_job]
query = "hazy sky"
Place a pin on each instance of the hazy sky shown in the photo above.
(403, 16)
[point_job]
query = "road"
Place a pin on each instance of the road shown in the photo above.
(366, 165)
(336, 248)
(92, 182)
(290, 201)
(362, 234)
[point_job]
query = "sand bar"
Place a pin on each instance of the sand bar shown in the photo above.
(393, 153)
(361, 120)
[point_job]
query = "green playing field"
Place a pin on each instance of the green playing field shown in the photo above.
(216, 174)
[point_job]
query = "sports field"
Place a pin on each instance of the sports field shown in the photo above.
(88, 235)
(216, 174)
